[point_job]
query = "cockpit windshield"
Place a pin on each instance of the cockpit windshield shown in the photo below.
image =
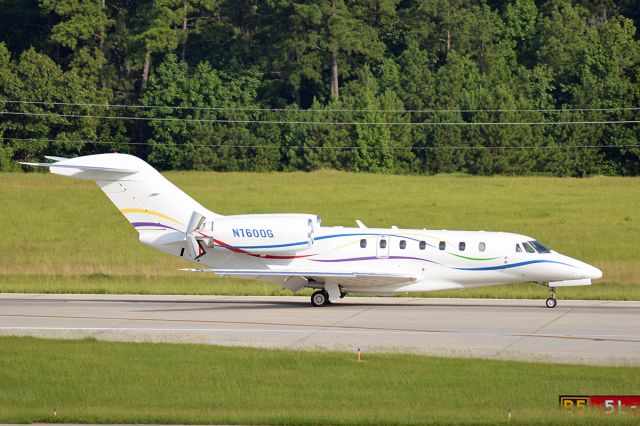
(540, 248)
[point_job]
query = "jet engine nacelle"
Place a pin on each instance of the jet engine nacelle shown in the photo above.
(262, 233)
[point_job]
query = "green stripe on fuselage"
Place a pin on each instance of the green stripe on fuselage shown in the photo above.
(475, 258)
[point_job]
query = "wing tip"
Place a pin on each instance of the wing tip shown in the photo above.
(26, 163)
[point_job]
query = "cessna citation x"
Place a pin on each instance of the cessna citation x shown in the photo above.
(296, 251)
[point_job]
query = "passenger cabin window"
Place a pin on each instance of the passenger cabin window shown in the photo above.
(518, 248)
(363, 243)
(383, 244)
(442, 245)
(462, 246)
(528, 248)
(423, 245)
(403, 244)
(482, 246)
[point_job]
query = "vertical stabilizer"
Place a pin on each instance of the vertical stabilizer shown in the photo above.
(145, 197)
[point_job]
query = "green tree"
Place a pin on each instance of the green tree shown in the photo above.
(162, 31)
(327, 42)
(7, 80)
(521, 21)
(467, 64)
(83, 30)
(379, 147)
(608, 70)
(35, 129)
(201, 132)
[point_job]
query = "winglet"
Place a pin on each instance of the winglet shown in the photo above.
(53, 158)
(360, 224)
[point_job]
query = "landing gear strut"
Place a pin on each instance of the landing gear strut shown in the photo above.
(552, 302)
(320, 298)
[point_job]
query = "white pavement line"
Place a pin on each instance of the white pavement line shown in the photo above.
(326, 331)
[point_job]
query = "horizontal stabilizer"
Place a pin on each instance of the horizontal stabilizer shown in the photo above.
(81, 167)
(154, 206)
(53, 158)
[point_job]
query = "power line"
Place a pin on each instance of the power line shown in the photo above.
(327, 123)
(418, 148)
(260, 109)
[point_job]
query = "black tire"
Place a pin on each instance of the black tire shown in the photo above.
(319, 298)
(551, 302)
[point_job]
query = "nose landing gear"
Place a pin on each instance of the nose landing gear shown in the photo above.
(552, 302)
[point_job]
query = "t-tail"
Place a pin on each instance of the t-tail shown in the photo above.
(146, 198)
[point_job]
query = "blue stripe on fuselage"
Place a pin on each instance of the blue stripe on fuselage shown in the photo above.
(324, 237)
(269, 246)
(513, 265)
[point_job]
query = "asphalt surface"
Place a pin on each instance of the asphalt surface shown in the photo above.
(587, 332)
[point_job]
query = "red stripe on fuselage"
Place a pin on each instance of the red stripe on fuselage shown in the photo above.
(265, 256)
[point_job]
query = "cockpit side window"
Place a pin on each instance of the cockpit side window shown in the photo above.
(518, 248)
(528, 248)
(540, 248)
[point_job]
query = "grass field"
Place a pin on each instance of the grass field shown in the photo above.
(92, 381)
(63, 235)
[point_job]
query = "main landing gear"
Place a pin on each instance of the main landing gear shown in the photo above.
(320, 298)
(552, 302)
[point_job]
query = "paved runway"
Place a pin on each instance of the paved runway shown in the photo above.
(591, 332)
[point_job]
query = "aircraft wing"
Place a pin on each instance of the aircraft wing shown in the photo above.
(350, 279)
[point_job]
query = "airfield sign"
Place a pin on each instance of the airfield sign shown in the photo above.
(610, 404)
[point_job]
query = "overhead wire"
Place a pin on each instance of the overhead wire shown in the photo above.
(116, 143)
(324, 123)
(318, 111)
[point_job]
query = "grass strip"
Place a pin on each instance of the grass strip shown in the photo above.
(53, 227)
(91, 381)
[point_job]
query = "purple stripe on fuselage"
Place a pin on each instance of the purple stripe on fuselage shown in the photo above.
(350, 259)
(355, 259)
(153, 224)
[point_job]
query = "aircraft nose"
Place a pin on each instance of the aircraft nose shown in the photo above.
(591, 272)
(580, 270)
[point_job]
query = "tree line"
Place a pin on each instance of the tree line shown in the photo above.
(398, 86)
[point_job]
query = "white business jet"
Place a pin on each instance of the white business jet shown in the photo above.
(297, 252)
